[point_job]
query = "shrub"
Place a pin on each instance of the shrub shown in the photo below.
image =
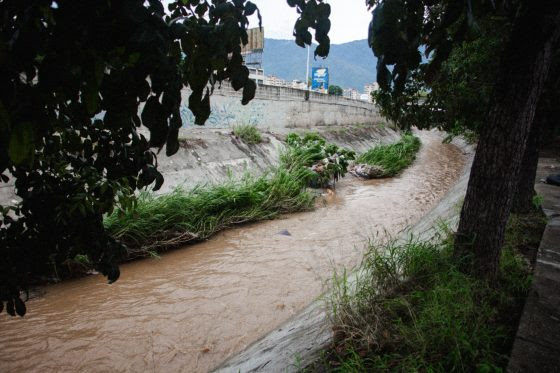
(161, 222)
(393, 158)
(248, 133)
(326, 161)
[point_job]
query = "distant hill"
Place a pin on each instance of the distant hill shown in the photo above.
(351, 65)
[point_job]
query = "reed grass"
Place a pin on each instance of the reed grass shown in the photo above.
(393, 158)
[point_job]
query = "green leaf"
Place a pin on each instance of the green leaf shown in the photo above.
(22, 148)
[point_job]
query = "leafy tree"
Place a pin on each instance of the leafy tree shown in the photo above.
(399, 28)
(75, 75)
(335, 90)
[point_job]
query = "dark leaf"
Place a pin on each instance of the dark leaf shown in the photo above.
(10, 307)
(172, 144)
(383, 74)
(153, 115)
(159, 182)
(250, 8)
(22, 147)
(113, 274)
(20, 307)
(239, 77)
(202, 110)
(248, 92)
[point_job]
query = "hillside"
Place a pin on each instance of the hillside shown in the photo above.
(351, 65)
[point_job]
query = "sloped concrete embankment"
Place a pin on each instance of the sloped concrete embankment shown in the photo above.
(299, 341)
(211, 156)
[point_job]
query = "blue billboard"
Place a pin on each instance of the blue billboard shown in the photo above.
(320, 78)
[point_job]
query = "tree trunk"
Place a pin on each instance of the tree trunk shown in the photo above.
(523, 72)
(523, 200)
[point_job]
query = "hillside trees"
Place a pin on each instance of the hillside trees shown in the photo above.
(397, 31)
(335, 90)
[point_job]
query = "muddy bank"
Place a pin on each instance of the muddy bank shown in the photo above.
(194, 308)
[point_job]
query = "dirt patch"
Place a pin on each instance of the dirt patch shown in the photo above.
(187, 143)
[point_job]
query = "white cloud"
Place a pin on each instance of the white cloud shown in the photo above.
(349, 18)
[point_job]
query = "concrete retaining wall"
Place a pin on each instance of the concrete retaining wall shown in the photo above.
(279, 107)
(211, 156)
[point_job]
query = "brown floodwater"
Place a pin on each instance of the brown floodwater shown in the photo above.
(195, 307)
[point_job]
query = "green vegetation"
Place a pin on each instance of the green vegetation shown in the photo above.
(393, 158)
(326, 161)
(335, 90)
(162, 222)
(248, 133)
(158, 223)
(411, 309)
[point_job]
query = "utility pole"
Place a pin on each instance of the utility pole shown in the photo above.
(307, 70)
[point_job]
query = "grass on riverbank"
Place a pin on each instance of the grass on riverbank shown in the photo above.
(158, 223)
(248, 133)
(392, 158)
(412, 310)
(170, 220)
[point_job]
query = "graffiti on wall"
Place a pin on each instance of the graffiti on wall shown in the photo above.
(228, 113)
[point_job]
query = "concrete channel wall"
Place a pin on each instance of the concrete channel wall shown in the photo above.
(536, 347)
(214, 155)
(302, 338)
(280, 107)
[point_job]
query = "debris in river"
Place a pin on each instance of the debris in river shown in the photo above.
(368, 171)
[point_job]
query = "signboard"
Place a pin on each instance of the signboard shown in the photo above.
(256, 41)
(320, 78)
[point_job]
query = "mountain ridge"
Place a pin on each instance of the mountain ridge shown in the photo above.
(351, 65)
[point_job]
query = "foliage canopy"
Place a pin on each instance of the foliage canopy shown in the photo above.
(78, 80)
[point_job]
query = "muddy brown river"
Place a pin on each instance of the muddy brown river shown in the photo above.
(195, 307)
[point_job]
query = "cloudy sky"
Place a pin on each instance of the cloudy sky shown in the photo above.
(349, 18)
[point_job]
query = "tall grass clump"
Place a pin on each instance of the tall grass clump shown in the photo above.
(248, 133)
(392, 158)
(162, 222)
(410, 309)
(166, 221)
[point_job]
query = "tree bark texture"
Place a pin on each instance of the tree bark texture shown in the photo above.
(523, 200)
(545, 118)
(524, 68)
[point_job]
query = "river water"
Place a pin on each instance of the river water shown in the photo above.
(195, 307)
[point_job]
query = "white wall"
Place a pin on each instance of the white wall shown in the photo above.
(280, 107)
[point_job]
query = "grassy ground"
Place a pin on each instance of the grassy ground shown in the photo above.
(411, 310)
(393, 158)
(248, 133)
